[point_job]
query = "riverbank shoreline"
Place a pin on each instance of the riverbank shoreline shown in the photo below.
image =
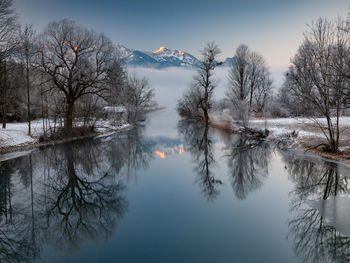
(37, 144)
(287, 138)
(34, 143)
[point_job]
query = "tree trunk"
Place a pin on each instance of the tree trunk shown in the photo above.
(206, 97)
(4, 87)
(206, 115)
(251, 97)
(68, 118)
(3, 115)
(28, 94)
(42, 103)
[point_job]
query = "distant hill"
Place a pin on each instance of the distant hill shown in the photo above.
(161, 58)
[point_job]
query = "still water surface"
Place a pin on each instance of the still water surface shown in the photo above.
(173, 191)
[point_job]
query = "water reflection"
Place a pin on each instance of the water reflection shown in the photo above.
(198, 142)
(82, 200)
(16, 232)
(71, 194)
(247, 162)
(130, 151)
(66, 195)
(247, 159)
(316, 229)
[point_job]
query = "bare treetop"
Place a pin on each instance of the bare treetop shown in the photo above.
(8, 27)
(77, 60)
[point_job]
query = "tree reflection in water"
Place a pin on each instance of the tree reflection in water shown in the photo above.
(16, 232)
(66, 195)
(83, 199)
(248, 161)
(315, 240)
(197, 141)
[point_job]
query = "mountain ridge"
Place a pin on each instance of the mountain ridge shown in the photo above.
(163, 57)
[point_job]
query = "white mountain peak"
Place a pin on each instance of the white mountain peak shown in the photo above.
(161, 49)
(168, 51)
(163, 57)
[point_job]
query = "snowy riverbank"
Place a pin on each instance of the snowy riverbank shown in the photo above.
(15, 137)
(296, 133)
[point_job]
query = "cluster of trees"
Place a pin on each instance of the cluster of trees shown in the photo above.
(63, 73)
(250, 86)
(317, 83)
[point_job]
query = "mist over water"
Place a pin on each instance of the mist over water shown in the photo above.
(169, 84)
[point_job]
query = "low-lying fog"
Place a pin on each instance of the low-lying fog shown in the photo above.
(169, 84)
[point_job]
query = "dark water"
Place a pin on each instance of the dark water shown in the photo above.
(172, 191)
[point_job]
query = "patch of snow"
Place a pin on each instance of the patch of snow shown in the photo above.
(16, 134)
(344, 148)
(12, 136)
(103, 126)
(116, 109)
(290, 121)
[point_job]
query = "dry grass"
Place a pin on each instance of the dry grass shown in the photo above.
(223, 125)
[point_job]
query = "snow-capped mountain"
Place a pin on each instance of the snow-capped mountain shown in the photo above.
(172, 57)
(136, 58)
(161, 58)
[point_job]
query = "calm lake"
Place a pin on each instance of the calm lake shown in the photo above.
(173, 191)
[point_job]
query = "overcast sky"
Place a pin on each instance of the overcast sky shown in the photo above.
(273, 28)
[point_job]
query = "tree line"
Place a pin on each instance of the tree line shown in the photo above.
(249, 87)
(62, 74)
(316, 85)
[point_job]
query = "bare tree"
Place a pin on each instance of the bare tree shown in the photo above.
(77, 60)
(288, 103)
(8, 30)
(262, 92)
(239, 75)
(117, 82)
(256, 74)
(138, 95)
(249, 84)
(187, 105)
(204, 78)
(316, 75)
(28, 50)
(201, 92)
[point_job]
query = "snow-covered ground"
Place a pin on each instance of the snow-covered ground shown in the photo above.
(16, 134)
(305, 130)
(304, 127)
(104, 126)
(343, 121)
